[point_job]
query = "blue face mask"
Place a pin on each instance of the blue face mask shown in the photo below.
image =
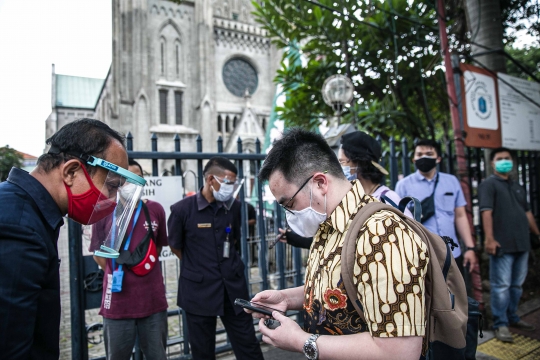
(504, 166)
(347, 172)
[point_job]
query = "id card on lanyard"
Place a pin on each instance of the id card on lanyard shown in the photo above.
(118, 274)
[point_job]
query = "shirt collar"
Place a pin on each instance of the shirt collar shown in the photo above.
(44, 201)
(421, 177)
(348, 206)
(202, 203)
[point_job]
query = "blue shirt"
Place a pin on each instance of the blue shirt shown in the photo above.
(448, 197)
(30, 221)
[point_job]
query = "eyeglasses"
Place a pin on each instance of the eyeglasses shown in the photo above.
(284, 206)
(226, 181)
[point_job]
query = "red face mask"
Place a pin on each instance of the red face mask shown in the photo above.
(91, 205)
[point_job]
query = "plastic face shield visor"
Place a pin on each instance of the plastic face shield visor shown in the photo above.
(121, 190)
(237, 186)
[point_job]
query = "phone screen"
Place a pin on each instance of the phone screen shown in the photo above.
(260, 308)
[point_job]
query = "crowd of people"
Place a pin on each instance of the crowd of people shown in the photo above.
(86, 175)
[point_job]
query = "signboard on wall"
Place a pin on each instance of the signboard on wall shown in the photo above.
(520, 118)
(480, 108)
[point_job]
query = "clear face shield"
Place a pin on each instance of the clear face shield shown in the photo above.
(114, 208)
(237, 186)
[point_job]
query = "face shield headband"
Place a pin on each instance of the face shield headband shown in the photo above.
(115, 204)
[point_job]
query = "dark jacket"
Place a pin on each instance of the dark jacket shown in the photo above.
(198, 228)
(30, 221)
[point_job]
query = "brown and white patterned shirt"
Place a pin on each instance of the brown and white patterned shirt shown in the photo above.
(391, 265)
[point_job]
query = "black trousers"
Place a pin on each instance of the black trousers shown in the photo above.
(202, 334)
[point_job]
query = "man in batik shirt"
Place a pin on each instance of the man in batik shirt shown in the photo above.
(391, 262)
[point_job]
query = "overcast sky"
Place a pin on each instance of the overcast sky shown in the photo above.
(75, 35)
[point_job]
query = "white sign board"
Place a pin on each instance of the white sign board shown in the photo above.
(481, 101)
(520, 118)
(165, 190)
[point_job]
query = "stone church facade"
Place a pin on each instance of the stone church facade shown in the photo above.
(202, 67)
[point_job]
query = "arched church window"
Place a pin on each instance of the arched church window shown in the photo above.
(263, 123)
(177, 58)
(219, 124)
(162, 55)
(227, 126)
(234, 122)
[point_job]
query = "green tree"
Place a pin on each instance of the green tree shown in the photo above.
(529, 58)
(389, 49)
(8, 158)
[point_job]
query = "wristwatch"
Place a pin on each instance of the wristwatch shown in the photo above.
(470, 248)
(310, 347)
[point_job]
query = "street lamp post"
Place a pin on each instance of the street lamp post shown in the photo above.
(337, 91)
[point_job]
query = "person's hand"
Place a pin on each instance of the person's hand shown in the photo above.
(491, 246)
(288, 336)
(469, 260)
(283, 235)
(271, 298)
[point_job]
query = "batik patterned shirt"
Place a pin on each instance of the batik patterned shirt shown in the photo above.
(389, 274)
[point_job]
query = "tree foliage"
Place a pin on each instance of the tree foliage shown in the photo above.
(8, 158)
(529, 58)
(389, 49)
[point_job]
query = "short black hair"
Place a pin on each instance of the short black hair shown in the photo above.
(429, 143)
(500, 150)
(132, 162)
(83, 136)
(298, 154)
(221, 163)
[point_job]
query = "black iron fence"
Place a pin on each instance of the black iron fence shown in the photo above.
(278, 268)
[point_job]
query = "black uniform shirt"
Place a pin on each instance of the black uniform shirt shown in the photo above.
(508, 202)
(198, 228)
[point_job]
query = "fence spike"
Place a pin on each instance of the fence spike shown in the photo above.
(129, 140)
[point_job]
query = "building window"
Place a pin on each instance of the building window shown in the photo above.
(234, 122)
(264, 123)
(219, 124)
(235, 16)
(227, 126)
(162, 58)
(178, 107)
(163, 106)
(177, 60)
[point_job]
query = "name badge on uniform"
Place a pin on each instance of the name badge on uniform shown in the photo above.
(204, 225)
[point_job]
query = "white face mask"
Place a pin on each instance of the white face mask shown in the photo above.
(306, 222)
(225, 191)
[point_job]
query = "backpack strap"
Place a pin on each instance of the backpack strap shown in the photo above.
(416, 209)
(348, 251)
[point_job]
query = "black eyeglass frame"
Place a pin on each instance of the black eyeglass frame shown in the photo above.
(284, 206)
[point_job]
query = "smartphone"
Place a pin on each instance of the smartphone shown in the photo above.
(276, 240)
(255, 307)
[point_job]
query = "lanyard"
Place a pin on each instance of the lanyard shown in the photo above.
(130, 234)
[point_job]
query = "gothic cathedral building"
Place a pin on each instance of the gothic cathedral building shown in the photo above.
(201, 67)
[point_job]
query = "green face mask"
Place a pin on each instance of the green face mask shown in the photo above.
(504, 166)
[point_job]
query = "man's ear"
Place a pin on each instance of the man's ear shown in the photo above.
(69, 171)
(321, 181)
(439, 159)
